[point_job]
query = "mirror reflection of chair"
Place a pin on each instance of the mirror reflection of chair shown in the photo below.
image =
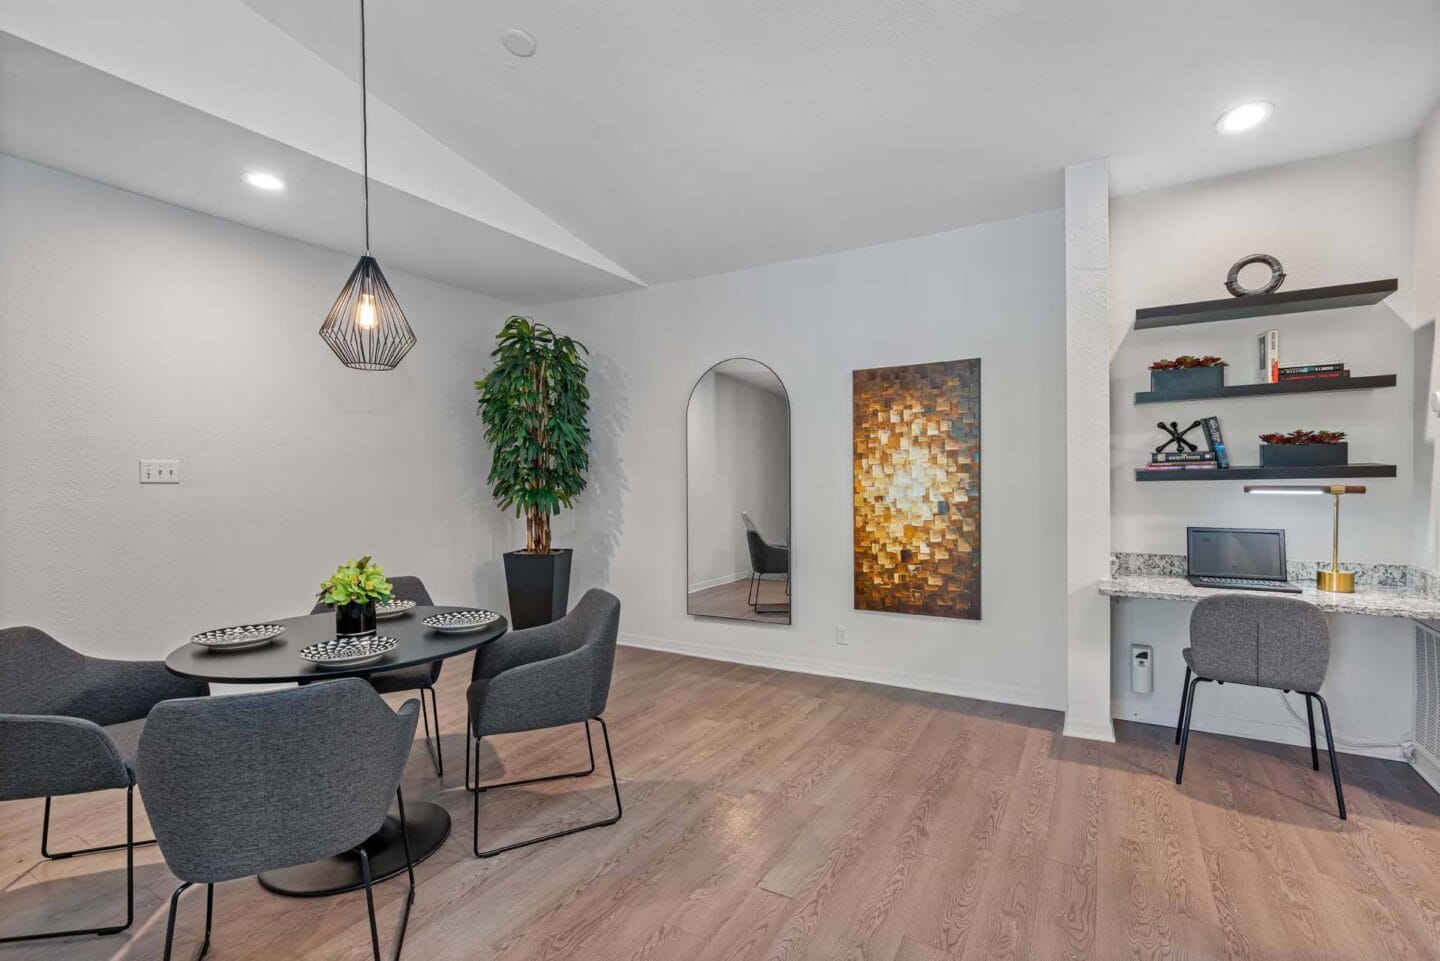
(765, 559)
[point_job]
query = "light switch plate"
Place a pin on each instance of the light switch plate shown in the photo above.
(159, 472)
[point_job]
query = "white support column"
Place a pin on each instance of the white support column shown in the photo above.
(1087, 455)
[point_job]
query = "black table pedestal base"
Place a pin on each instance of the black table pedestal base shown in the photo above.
(429, 825)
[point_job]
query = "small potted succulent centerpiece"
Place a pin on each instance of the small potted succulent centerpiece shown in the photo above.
(354, 590)
(1305, 448)
(1187, 373)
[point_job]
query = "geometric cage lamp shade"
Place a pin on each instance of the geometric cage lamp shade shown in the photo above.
(366, 328)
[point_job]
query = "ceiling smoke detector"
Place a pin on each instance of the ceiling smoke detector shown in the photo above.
(518, 42)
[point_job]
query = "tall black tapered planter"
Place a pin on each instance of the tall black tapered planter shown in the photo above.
(539, 586)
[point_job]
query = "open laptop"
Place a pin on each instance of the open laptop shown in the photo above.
(1237, 559)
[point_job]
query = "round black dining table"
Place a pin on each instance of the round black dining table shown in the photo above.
(427, 823)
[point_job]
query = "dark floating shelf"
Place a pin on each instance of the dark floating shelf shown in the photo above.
(1267, 473)
(1267, 305)
(1266, 390)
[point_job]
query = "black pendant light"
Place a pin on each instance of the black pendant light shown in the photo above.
(366, 328)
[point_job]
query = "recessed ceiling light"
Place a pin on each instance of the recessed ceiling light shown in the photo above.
(1245, 117)
(264, 181)
(518, 42)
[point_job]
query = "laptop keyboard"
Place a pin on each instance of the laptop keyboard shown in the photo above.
(1246, 583)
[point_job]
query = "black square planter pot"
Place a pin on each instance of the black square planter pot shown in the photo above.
(538, 585)
(1188, 378)
(1304, 455)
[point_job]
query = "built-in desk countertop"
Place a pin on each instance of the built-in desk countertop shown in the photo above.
(1372, 601)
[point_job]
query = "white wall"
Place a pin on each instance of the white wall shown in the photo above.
(1087, 393)
(1333, 220)
(995, 292)
(1426, 303)
(130, 328)
(738, 459)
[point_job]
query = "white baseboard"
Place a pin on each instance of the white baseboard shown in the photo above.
(723, 579)
(1251, 730)
(1428, 765)
(1091, 729)
(1023, 697)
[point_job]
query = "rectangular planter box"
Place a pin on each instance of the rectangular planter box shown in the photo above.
(1188, 378)
(1304, 455)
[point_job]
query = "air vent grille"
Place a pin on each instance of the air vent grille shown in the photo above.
(1427, 690)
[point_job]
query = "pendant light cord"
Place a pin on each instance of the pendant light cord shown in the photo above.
(364, 128)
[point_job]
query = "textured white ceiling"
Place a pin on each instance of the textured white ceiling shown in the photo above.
(691, 137)
(648, 141)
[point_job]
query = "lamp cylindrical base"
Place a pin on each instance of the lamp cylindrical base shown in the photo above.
(1336, 582)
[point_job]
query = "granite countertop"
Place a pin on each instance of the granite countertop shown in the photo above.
(1373, 601)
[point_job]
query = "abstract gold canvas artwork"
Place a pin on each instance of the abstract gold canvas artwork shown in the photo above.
(917, 489)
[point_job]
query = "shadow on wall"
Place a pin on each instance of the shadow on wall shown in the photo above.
(598, 538)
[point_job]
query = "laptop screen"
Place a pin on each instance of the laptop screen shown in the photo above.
(1234, 552)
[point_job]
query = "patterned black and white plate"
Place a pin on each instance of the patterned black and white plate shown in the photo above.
(348, 651)
(394, 608)
(460, 622)
(239, 638)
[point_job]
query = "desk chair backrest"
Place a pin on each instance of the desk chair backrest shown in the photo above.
(1276, 642)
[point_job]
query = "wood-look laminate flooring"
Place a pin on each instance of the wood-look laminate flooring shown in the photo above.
(732, 601)
(782, 817)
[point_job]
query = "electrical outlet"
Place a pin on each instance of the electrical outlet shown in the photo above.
(159, 472)
(840, 637)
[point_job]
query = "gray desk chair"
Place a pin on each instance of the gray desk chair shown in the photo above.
(248, 783)
(69, 724)
(1275, 642)
(421, 677)
(547, 676)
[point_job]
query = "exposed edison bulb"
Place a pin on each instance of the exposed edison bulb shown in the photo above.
(365, 316)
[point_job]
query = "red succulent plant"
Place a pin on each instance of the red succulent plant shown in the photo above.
(1305, 437)
(1187, 361)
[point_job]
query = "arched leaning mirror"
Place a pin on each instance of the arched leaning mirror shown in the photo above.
(737, 457)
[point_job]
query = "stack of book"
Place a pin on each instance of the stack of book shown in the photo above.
(1331, 371)
(1189, 460)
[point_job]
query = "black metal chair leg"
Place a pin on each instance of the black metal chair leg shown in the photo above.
(752, 593)
(174, 910)
(46, 853)
(1310, 716)
(1185, 734)
(535, 780)
(1334, 764)
(128, 846)
(369, 902)
(409, 870)
(614, 786)
(436, 758)
(1184, 689)
(468, 735)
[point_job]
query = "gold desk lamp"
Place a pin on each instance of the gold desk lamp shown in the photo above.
(1334, 580)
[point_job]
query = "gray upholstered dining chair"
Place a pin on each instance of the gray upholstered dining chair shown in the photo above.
(421, 677)
(248, 783)
(547, 676)
(69, 724)
(1275, 642)
(765, 558)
